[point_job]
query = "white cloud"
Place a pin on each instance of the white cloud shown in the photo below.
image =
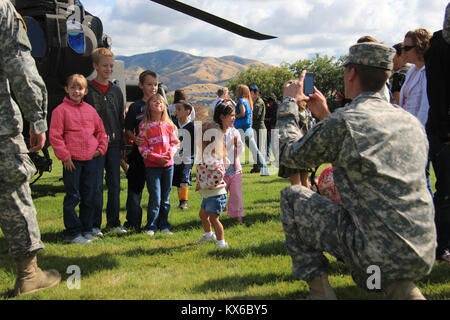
(303, 27)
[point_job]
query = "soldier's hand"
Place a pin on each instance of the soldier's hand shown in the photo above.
(294, 88)
(318, 105)
(37, 141)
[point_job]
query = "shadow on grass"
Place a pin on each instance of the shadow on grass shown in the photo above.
(251, 218)
(46, 190)
(240, 283)
(161, 250)
(87, 265)
(266, 249)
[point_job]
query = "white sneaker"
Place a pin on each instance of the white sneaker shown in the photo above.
(265, 172)
(207, 237)
(221, 244)
(89, 236)
(166, 231)
(120, 229)
(151, 233)
(96, 232)
(80, 239)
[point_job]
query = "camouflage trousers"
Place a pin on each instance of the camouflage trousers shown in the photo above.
(313, 224)
(17, 212)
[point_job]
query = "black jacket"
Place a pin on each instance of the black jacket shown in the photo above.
(110, 107)
(437, 67)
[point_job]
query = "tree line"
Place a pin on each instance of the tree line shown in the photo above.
(328, 77)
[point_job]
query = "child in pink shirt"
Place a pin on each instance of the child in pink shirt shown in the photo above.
(77, 136)
(224, 115)
(210, 183)
(160, 145)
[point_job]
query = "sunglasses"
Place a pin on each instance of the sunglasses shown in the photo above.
(407, 48)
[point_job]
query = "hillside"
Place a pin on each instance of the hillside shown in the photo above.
(199, 76)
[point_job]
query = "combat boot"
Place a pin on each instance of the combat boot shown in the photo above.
(320, 289)
(30, 278)
(403, 290)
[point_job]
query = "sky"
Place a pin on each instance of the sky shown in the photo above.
(302, 27)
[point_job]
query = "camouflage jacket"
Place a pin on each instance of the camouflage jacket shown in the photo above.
(379, 153)
(18, 73)
(259, 113)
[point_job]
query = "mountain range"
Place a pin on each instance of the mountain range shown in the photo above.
(199, 76)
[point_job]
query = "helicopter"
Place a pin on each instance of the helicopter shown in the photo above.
(63, 35)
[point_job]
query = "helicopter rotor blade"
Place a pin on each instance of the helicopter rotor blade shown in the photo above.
(214, 20)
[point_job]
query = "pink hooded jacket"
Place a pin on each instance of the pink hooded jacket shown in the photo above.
(160, 140)
(76, 131)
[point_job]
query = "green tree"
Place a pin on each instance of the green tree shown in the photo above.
(270, 81)
(328, 75)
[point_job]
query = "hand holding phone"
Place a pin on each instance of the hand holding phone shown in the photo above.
(308, 84)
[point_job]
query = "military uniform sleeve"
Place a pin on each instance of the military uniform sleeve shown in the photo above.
(320, 145)
(20, 69)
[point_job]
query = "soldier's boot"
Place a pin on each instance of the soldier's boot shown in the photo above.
(320, 289)
(403, 290)
(30, 278)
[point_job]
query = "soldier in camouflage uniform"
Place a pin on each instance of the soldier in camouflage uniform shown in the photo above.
(378, 153)
(258, 115)
(18, 222)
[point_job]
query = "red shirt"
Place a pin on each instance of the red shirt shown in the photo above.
(76, 131)
(101, 87)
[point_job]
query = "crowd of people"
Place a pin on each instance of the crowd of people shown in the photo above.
(382, 210)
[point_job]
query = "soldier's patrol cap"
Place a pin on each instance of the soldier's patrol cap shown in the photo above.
(371, 54)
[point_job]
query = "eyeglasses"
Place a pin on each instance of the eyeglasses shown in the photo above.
(407, 48)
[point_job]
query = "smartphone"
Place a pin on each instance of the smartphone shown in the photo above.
(309, 83)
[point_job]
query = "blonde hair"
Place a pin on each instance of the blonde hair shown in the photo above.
(242, 91)
(77, 79)
(164, 115)
(99, 53)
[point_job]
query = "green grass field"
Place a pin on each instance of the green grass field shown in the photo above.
(166, 267)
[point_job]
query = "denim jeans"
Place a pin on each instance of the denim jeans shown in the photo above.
(440, 158)
(249, 139)
(79, 185)
(110, 163)
(159, 185)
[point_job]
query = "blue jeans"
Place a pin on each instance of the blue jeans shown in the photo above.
(249, 140)
(440, 158)
(110, 163)
(159, 185)
(79, 185)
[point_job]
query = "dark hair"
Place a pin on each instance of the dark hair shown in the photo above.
(371, 79)
(179, 95)
(223, 108)
(398, 48)
(146, 73)
(186, 105)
